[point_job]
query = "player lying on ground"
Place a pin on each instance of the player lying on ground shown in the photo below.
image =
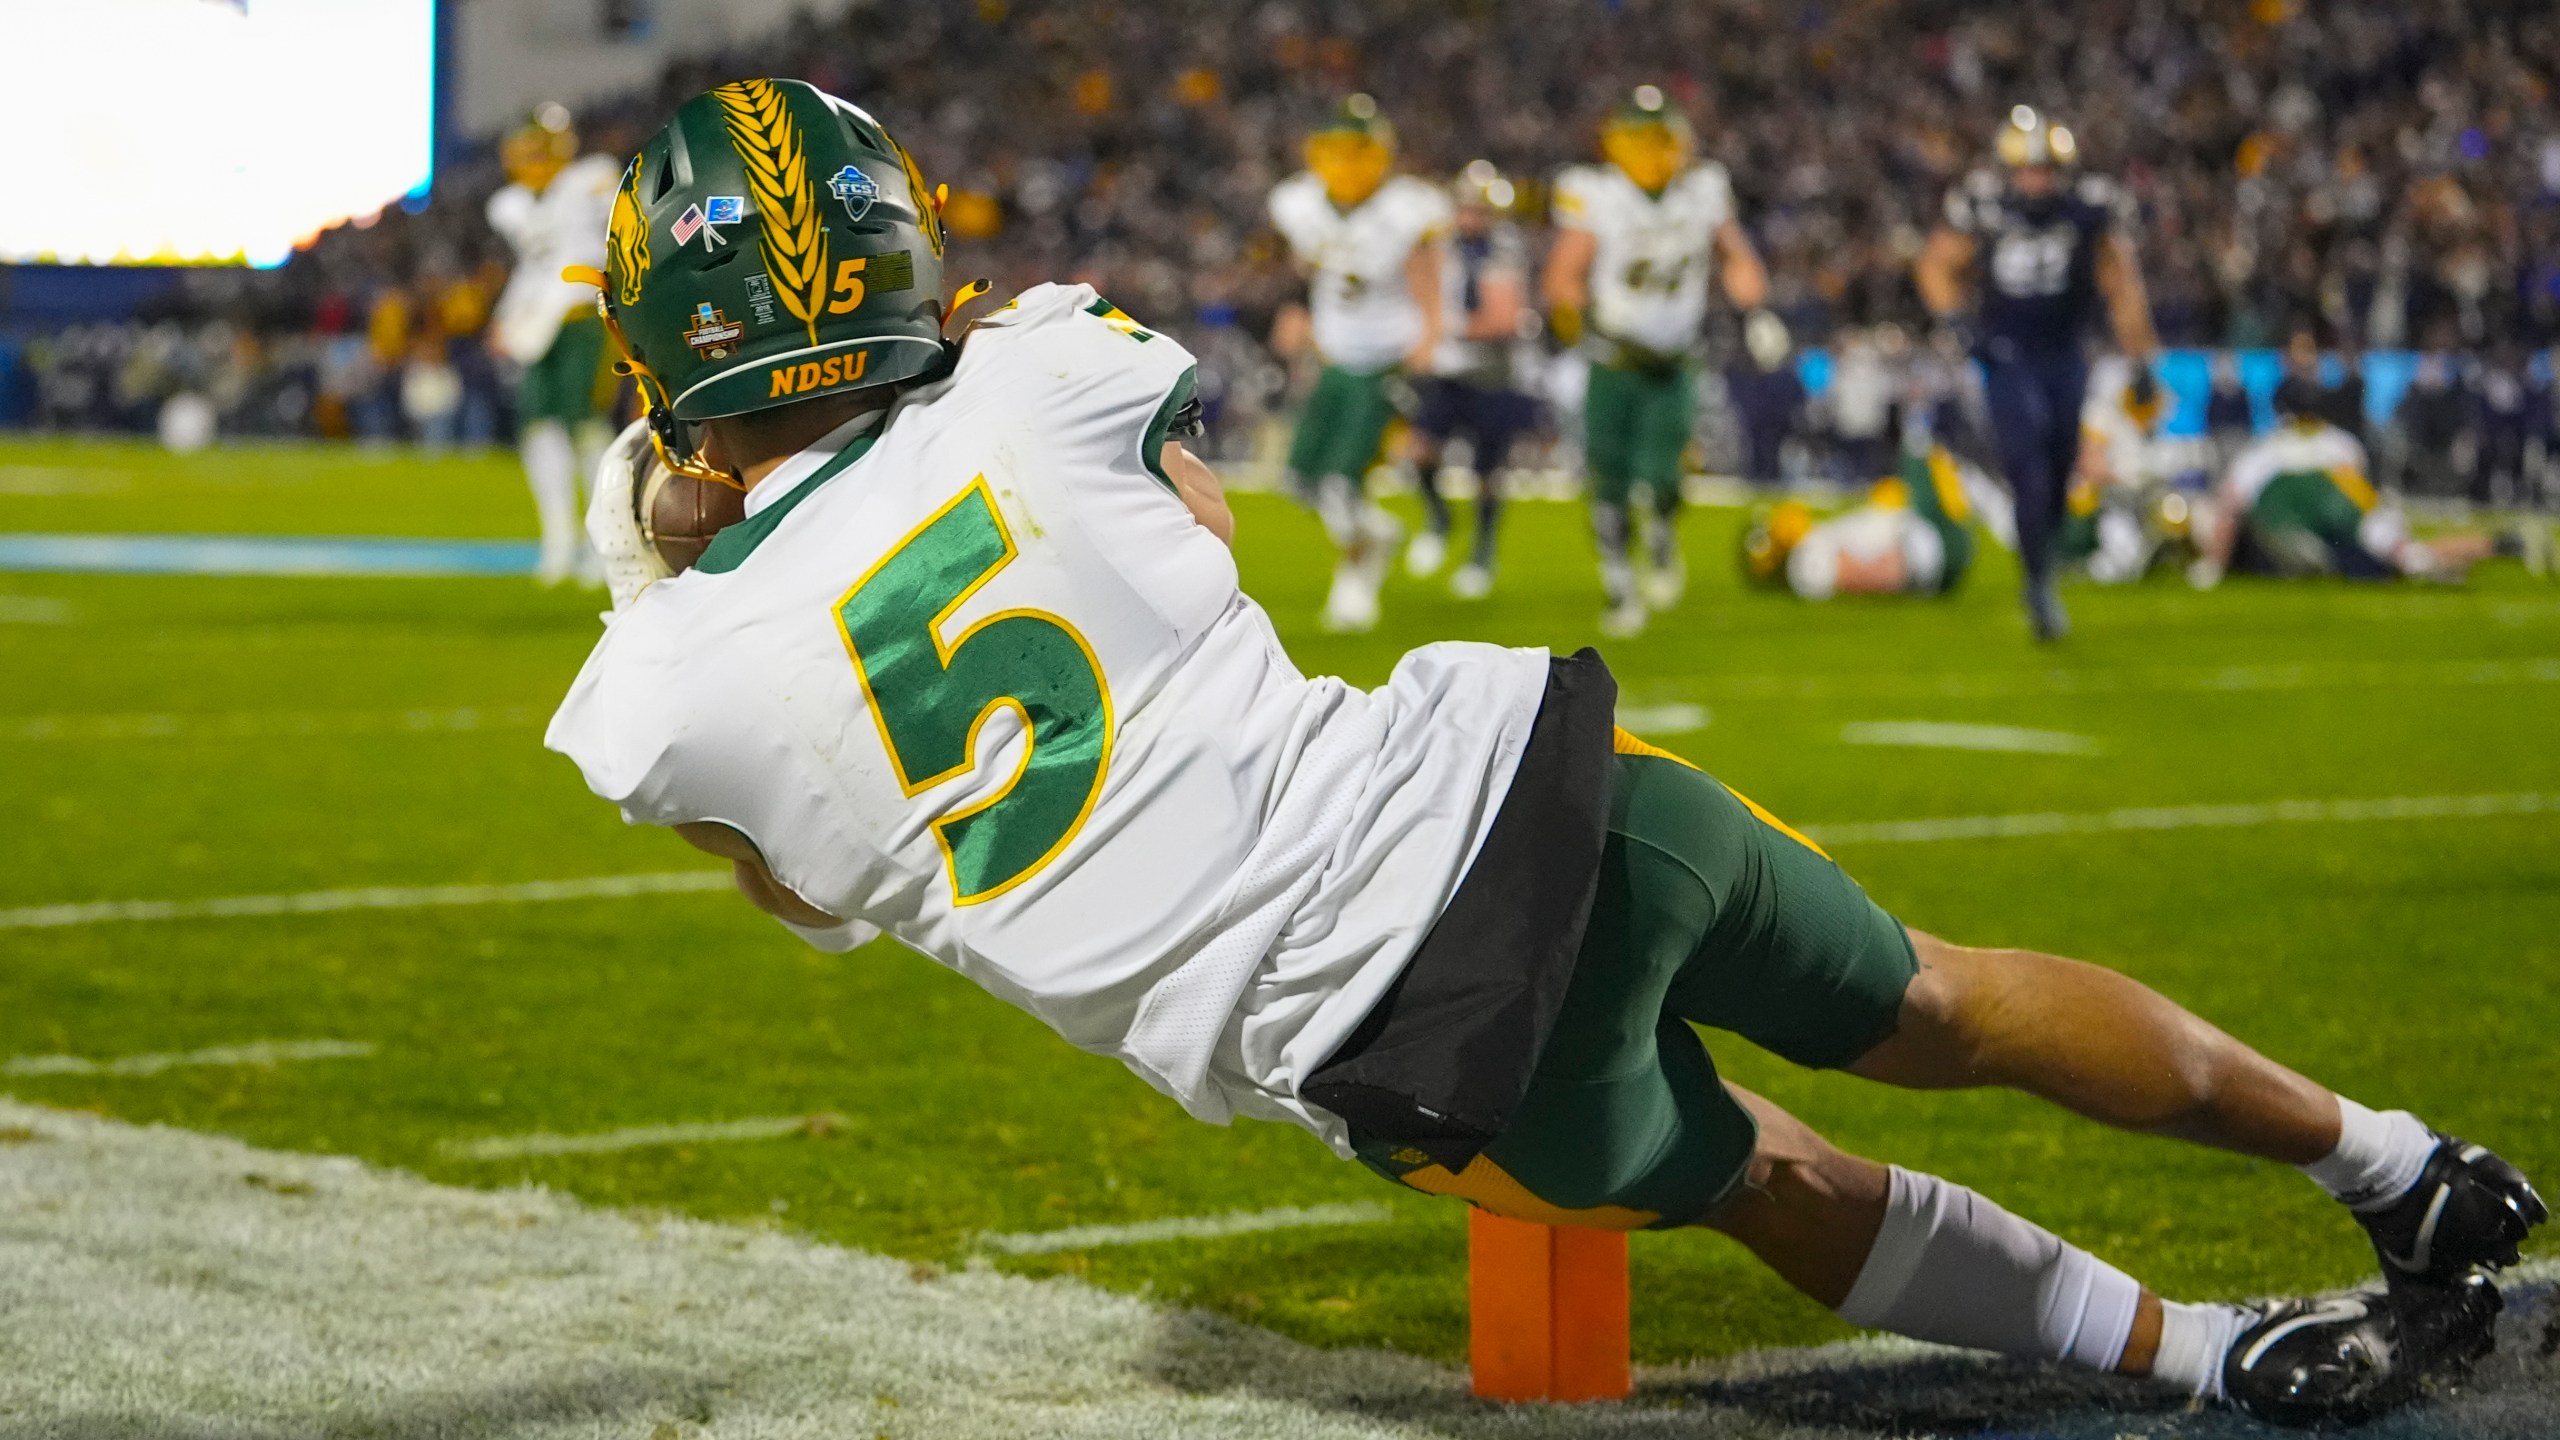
(2298, 499)
(974, 672)
(1909, 538)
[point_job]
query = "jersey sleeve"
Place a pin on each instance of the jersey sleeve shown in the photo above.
(1427, 211)
(1575, 203)
(1107, 386)
(2115, 211)
(1290, 213)
(1715, 193)
(510, 213)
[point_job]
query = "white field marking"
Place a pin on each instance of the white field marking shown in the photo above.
(637, 1137)
(61, 480)
(2182, 817)
(1676, 718)
(34, 610)
(1938, 735)
(1188, 1227)
(261, 1052)
(377, 897)
(2135, 680)
(263, 724)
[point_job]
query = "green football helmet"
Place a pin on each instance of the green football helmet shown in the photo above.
(771, 244)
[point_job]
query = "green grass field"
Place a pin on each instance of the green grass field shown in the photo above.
(169, 738)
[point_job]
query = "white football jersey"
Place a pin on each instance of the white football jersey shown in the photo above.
(977, 679)
(1653, 267)
(2290, 451)
(563, 226)
(1365, 314)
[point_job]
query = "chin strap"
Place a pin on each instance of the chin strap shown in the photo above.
(665, 434)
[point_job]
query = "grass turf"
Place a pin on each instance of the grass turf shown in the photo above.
(2406, 962)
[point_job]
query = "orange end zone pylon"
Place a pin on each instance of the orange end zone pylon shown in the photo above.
(1547, 1311)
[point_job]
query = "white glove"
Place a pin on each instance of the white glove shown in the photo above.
(631, 563)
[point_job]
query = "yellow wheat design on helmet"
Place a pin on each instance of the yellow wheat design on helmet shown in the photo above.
(795, 243)
(928, 216)
(627, 238)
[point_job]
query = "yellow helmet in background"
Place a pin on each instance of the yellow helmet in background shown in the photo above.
(536, 151)
(1648, 139)
(1773, 534)
(1353, 152)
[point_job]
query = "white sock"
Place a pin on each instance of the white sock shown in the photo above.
(551, 469)
(2378, 1157)
(2193, 1341)
(1950, 1266)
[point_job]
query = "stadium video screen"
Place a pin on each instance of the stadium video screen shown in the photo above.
(208, 131)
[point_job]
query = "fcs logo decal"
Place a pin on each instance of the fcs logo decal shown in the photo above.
(855, 189)
(811, 376)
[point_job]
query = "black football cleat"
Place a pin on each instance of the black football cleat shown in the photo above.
(2045, 615)
(2468, 1210)
(2329, 1364)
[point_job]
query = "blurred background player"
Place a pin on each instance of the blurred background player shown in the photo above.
(1628, 280)
(1472, 389)
(2299, 499)
(2122, 510)
(1911, 537)
(2049, 245)
(552, 214)
(1367, 238)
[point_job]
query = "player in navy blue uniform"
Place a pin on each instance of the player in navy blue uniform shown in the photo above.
(2044, 247)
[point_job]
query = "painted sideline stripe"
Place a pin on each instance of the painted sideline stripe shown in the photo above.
(261, 1052)
(1189, 1227)
(263, 555)
(2137, 680)
(1938, 735)
(2183, 817)
(255, 724)
(638, 1137)
(377, 897)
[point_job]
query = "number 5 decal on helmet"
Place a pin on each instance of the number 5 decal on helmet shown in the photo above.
(931, 697)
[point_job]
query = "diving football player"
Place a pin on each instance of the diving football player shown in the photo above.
(1636, 240)
(1473, 389)
(1909, 538)
(552, 213)
(1367, 239)
(974, 673)
(2298, 495)
(2038, 248)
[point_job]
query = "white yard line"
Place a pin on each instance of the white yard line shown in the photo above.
(1939, 735)
(260, 725)
(2182, 817)
(34, 610)
(637, 1137)
(1675, 718)
(262, 1052)
(2133, 680)
(377, 897)
(1188, 1227)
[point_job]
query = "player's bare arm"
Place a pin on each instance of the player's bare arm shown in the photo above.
(2128, 303)
(1940, 272)
(1746, 279)
(1565, 283)
(1498, 312)
(1201, 493)
(1422, 278)
(755, 878)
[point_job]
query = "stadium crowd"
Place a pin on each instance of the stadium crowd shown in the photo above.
(2382, 175)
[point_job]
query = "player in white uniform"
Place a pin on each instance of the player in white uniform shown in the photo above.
(974, 673)
(1911, 537)
(2300, 496)
(1628, 277)
(552, 214)
(1366, 238)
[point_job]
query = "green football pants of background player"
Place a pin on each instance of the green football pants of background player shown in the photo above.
(1636, 426)
(1340, 430)
(563, 384)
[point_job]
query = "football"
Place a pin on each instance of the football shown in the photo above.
(680, 515)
